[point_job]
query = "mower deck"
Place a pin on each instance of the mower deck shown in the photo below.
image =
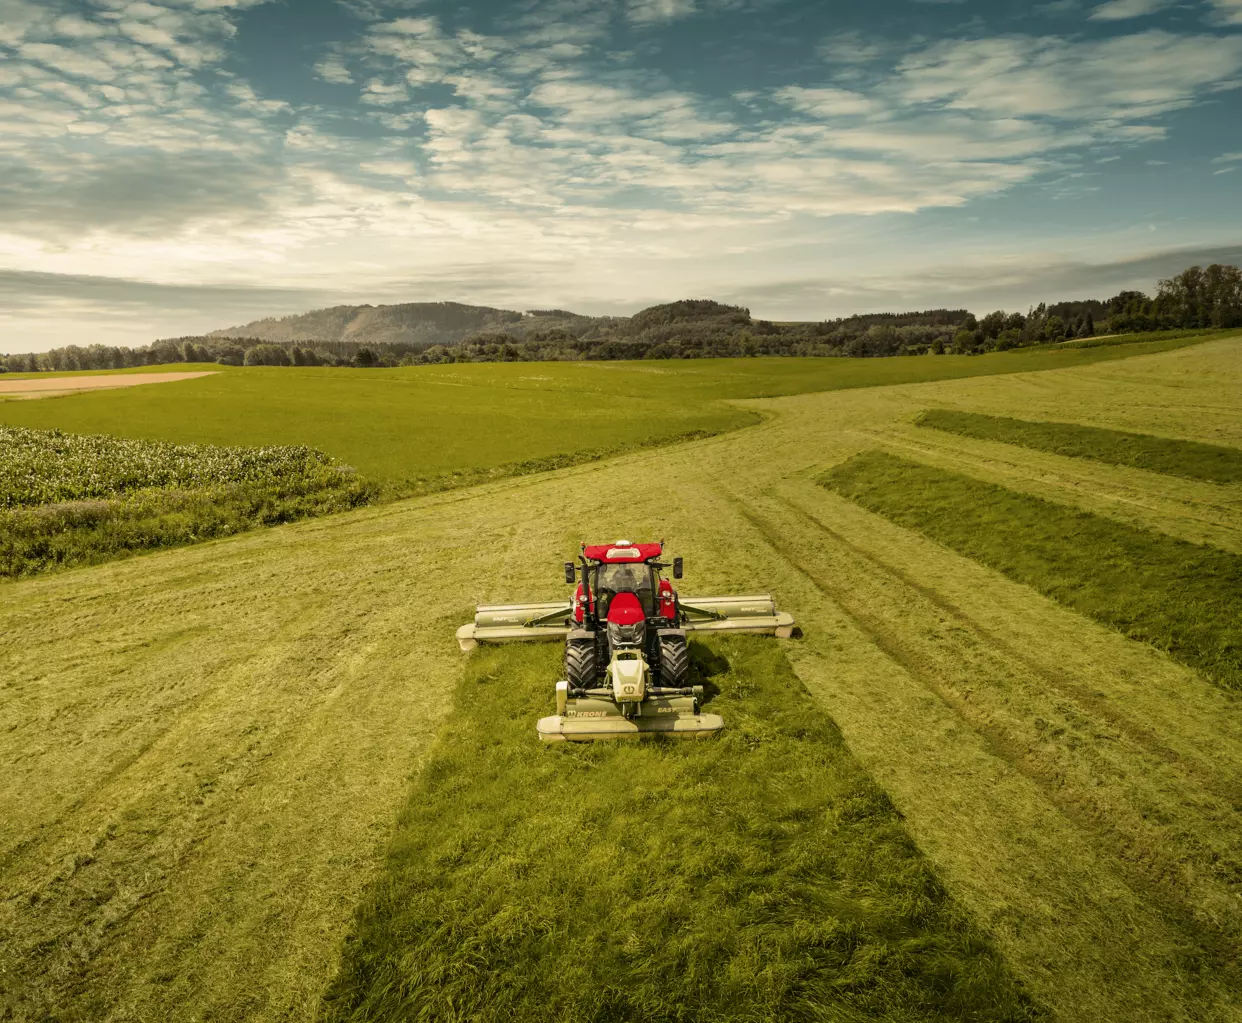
(547, 621)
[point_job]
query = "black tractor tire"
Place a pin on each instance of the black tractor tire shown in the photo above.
(674, 660)
(581, 664)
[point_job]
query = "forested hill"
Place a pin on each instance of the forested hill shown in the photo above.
(417, 333)
(410, 323)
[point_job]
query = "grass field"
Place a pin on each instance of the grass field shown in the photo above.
(1192, 459)
(762, 876)
(207, 753)
(1184, 598)
(398, 425)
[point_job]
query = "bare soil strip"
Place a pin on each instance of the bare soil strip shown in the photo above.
(34, 387)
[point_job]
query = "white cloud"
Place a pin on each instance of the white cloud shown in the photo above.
(1120, 10)
(383, 93)
(828, 102)
(647, 11)
(74, 27)
(1120, 79)
(76, 63)
(1227, 163)
(332, 69)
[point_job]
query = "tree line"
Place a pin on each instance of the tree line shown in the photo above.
(1196, 298)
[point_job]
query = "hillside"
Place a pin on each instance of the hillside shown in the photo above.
(410, 323)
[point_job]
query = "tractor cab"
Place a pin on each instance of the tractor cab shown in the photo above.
(625, 620)
(628, 570)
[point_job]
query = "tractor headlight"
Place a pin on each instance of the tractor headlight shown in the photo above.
(626, 635)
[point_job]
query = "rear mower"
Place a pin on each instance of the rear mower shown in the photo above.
(627, 663)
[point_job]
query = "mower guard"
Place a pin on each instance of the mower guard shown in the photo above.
(559, 728)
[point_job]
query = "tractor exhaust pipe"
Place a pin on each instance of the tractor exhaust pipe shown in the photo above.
(586, 589)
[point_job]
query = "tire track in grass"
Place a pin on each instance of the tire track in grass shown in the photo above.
(1228, 790)
(1194, 511)
(1166, 921)
(1166, 870)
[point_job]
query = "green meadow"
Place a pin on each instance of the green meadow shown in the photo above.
(401, 425)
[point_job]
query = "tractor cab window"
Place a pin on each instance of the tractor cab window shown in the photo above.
(636, 579)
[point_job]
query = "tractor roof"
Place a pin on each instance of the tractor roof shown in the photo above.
(623, 552)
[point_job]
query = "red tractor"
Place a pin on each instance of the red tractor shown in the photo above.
(627, 664)
(624, 603)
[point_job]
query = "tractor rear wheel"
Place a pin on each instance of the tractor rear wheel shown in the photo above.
(674, 660)
(581, 667)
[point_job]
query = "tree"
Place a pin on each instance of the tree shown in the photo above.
(266, 355)
(364, 358)
(993, 324)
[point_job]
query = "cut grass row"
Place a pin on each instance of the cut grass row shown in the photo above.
(1191, 459)
(1183, 598)
(759, 876)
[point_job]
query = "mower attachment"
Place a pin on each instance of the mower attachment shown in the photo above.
(627, 662)
(550, 621)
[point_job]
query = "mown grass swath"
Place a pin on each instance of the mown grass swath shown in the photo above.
(1142, 451)
(67, 499)
(1184, 598)
(759, 876)
(1112, 340)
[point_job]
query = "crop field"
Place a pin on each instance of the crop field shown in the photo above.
(70, 499)
(401, 425)
(246, 780)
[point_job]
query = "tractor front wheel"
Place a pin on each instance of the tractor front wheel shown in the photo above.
(581, 667)
(674, 660)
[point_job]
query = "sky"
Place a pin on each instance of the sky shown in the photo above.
(173, 166)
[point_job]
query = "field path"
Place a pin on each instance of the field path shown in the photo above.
(46, 387)
(201, 751)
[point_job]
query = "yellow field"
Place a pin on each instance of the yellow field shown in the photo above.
(201, 751)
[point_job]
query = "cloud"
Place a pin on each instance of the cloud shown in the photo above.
(647, 11)
(1120, 79)
(1228, 12)
(1001, 281)
(827, 102)
(126, 143)
(1120, 10)
(852, 48)
(332, 69)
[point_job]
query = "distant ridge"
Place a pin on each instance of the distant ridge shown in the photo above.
(414, 323)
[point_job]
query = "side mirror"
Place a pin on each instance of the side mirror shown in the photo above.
(677, 568)
(569, 572)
